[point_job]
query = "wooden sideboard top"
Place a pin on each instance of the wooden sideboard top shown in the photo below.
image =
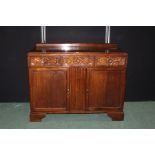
(89, 54)
(44, 52)
(76, 46)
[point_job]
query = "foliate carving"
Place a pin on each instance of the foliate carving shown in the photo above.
(62, 60)
(77, 60)
(74, 60)
(44, 61)
(110, 61)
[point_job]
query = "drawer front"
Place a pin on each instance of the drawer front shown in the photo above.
(77, 61)
(110, 61)
(52, 61)
(44, 61)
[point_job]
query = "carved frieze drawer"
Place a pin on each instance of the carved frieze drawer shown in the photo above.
(77, 60)
(41, 61)
(70, 60)
(110, 61)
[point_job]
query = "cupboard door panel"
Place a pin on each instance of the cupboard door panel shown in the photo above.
(97, 88)
(49, 87)
(77, 80)
(105, 88)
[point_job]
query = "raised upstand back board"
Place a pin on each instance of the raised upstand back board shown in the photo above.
(77, 78)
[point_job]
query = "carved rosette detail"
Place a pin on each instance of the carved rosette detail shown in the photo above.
(77, 61)
(110, 61)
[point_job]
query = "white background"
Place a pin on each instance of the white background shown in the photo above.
(77, 142)
(77, 12)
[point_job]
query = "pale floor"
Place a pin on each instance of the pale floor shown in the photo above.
(140, 115)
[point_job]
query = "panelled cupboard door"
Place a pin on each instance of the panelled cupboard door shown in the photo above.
(105, 88)
(49, 88)
(77, 80)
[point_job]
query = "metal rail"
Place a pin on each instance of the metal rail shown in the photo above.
(107, 34)
(43, 34)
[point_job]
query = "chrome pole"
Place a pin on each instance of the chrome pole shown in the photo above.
(107, 35)
(43, 34)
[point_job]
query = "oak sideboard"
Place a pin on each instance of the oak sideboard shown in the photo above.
(77, 78)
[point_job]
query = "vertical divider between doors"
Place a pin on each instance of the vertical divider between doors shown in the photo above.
(87, 88)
